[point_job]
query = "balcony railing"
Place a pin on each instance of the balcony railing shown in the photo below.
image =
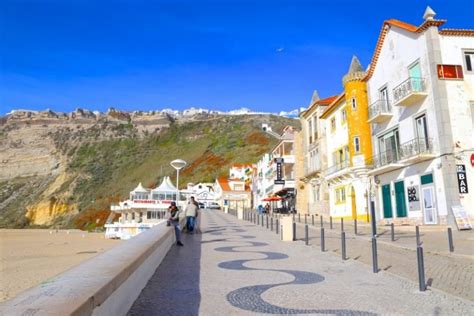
(410, 149)
(415, 147)
(409, 91)
(337, 167)
(379, 111)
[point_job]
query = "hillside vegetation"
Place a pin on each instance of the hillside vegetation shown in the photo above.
(98, 173)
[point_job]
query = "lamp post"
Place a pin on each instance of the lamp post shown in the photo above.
(178, 164)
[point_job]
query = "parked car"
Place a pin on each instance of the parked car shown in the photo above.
(201, 205)
(214, 206)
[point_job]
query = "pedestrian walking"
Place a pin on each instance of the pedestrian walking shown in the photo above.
(191, 213)
(174, 220)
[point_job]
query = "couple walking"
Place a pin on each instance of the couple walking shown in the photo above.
(191, 213)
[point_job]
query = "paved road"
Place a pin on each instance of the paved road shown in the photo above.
(237, 268)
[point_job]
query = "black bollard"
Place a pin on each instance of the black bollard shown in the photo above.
(417, 231)
(355, 226)
(312, 220)
(342, 224)
(322, 239)
(330, 222)
(294, 231)
(421, 268)
(450, 240)
(299, 218)
(294, 217)
(271, 224)
(306, 234)
(306, 218)
(321, 220)
(375, 265)
(343, 245)
(263, 223)
(277, 226)
(267, 221)
(392, 231)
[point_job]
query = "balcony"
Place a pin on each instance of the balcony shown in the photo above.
(416, 150)
(338, 171)
(384, 162)
(379, 111)
(409, 91)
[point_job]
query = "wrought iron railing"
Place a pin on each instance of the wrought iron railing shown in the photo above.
(337, 167)
(416, 147)
(408, 87)
(379, 106)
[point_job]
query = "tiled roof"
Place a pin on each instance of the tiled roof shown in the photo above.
(334, 104)
(224, 183)
(400, 24)
(457, 32)
(325, 101)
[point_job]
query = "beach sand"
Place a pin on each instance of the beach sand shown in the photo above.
(29, 257)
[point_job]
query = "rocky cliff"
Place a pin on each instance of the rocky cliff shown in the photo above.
(65, 169)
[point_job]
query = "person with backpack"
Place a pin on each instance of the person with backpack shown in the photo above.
(174, 219)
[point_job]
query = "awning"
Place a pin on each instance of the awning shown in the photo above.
(272, 198)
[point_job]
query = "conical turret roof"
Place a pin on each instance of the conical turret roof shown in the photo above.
(355, 66)
(315, 97)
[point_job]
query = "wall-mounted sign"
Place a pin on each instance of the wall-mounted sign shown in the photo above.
(280, 182)
(279, 171)
(472, 160)
(413, 198)
(462, 180)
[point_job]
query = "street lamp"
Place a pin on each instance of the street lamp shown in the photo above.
(178, 164)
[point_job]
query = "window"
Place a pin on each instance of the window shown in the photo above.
(356, 144)
(383, 93)
(354, 104)
(421, 131)
(310, 130)
(315, 128)
(469, 61)
(340, 195)
(344, 116)
(333, 124)
(450, 72)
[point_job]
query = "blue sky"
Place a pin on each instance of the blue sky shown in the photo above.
(223, 55)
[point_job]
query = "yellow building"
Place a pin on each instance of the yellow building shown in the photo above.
(349, 147)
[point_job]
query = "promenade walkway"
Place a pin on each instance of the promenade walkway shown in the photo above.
(238, 268)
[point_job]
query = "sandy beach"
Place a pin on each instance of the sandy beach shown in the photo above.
(29, 257)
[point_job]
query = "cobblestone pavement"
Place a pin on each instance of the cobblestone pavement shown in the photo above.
(238, 268)
(451, 273)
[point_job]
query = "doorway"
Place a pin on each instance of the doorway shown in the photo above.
(429, 205)
(400, 199)
(387, 201)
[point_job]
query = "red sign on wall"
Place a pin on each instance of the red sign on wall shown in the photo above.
(472, 160)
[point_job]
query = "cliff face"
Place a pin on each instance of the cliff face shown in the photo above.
(65, 169)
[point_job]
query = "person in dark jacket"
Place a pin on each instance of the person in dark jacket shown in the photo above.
(174, 219)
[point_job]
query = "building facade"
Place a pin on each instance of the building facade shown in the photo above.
(421, 91)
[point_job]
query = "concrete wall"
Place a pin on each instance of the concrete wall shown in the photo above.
(107, 284)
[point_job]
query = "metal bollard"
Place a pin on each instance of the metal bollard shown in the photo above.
(277, 226)
(322, 239)
(321, 220)
(392, 231)
(271, 223)
(342, 224)
(375, 265)
(294, 231)
(262, 220)
(306, 234)
(267, 221)
(299, 218)
(355, 226)
(312, 220)
(417, 231)
(330, 222)
(421, 268)
(450, 240)
(294, 217)
(306, 218)
(343, 245)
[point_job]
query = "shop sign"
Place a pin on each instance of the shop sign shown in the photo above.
(462, 180)
(413, 198)
(280, 181)
(279, 162)
(472, 160)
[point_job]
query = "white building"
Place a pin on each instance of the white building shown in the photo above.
(421, 96)
(202, 192)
